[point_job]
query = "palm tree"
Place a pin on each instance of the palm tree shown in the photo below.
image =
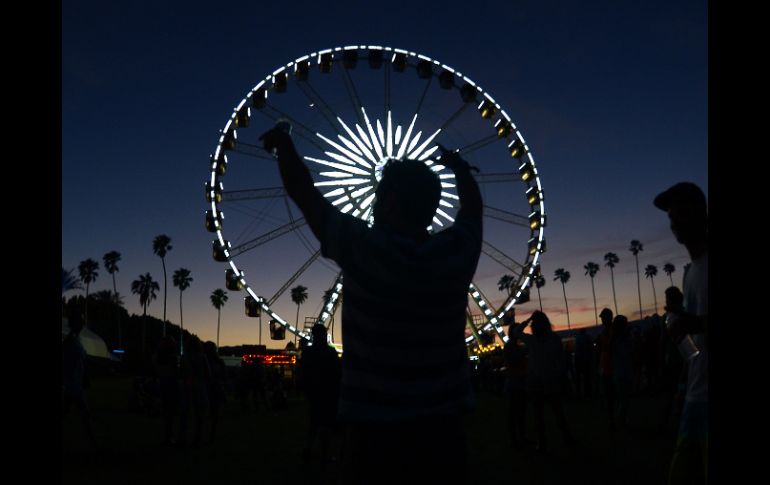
(669, 268)
(182, 280)
(610, 260)
(145, 287)
(563, 276)
(69, 281)
(635, 248)
(218, 299)
(591, 270)
(651, 271)
(161, 245)
(505, 283)
(88, 273)
(298, 296)
(111, 265)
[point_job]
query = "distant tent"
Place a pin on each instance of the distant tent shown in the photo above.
(92, 343)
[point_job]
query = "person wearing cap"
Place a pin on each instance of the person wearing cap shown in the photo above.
(687, 211)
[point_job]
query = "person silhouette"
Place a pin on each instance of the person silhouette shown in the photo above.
(216, 386)
(195, 374)
(622, 365)
(402, 400)
(74, 374)
(605, 363)
(167, 368)
(687, 210)
(546, 376)
(671, 362)
(583, 359)
(516, 387)
(319, 376)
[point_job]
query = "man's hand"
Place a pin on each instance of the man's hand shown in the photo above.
(683, 324)
(452, 160)
(276, 140)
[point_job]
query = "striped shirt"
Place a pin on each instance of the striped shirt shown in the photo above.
(404, 318)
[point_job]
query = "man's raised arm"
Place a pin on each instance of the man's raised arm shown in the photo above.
(296, 179)
(471, 205)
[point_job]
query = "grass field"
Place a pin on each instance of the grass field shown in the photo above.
(257, 447)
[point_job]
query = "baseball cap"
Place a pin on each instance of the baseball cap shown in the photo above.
(683, 192)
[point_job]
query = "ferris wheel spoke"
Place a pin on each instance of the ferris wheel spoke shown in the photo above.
(416, 153)
(468, 149)
(267, 237)
(353, 93)
(257, 217)
(294, 277)
(253, 194)
(489, 178)
(319, 101)
(502, 259)
(301, 130)
(253, 151)
(454, 116)
(254, 213)
(422, 97)
(405, 142)
(505, 216)
(387, 87)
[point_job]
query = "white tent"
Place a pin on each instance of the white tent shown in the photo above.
(92, 343)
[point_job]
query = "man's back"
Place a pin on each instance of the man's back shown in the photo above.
(404, 318)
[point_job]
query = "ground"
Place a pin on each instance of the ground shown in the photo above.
(260, 447)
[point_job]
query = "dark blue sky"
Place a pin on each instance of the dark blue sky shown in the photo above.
(611, 98)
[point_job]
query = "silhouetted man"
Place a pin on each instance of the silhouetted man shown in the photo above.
(605, 363)
(319, 377)
(402, 399)
(687, 210)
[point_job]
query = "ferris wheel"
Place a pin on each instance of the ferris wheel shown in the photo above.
(352, 109)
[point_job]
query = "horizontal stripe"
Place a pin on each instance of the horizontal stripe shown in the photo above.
(430, 338)
(358, 379)
(395, 369)
(353, 412)
(456, 394)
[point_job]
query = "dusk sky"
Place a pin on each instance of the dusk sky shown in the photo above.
(610, 96)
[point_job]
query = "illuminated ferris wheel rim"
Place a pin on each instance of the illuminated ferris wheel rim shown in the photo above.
(537, 218)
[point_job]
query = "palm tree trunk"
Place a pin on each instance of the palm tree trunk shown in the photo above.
(144, 329)
(614, 298)
(672, 279)
(638, 286)
(181, 326)
(538, 298)
(117, 310)
(165, 290)
(654, 298)
(296, 325)
(87, 285)
(218, 313)
(596, 315)
(566, 305)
